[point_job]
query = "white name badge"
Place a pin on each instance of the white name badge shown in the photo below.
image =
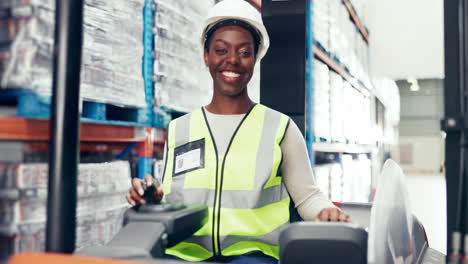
(189, 157)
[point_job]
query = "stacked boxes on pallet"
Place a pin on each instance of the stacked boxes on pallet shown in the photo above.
(341, 113)
(321, 23)
(112, 49)
(182, 82)
(112, 52)
(346, 181)
(344, 114)
(356, 178)
(346, 42)
(321, 101)
(322, 178)
(335, 32)
(336, 182)
(388, 93)
(23, 204)
(357, 118)
(337, 112)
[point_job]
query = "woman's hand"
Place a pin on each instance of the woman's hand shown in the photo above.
(332, 215)
(134, 195)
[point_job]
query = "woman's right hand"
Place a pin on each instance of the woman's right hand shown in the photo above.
(135, 194)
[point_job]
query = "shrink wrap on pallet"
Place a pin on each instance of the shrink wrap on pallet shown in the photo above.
(321, 29)
(23, 204)
(321, 100)
(111, 57)
(322, 178)
(182, 82)
(336, 107)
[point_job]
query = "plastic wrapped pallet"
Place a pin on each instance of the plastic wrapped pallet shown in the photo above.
(357, 119)
(364, 169)
(343, 22)
(334, 27)
(386, 90)
(348, 179)
(33, 209)
(322, 178)
(349, 111)
(23, 201)
(336, 107)
(91, 230)
(346, 42)
(320, 23)
(93, 178)
(112, 50)
(356, 178)
(182, 80)
(366, 133)
(321, 100)
(336, 182)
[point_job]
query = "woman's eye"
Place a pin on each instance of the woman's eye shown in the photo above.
(246, 53)
(220, 51)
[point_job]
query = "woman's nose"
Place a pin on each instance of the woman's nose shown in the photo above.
(233, 58)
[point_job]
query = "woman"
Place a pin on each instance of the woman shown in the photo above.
(242, 159)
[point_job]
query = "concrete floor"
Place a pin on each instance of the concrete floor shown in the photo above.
(427, 195)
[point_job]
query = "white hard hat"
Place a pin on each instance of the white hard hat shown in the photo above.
(238, 10)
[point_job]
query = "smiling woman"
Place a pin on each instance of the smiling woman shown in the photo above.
(243, 160)
(230, 58)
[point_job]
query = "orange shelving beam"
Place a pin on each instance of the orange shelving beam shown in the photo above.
(356, 20)
(22, 129)
(318, 53)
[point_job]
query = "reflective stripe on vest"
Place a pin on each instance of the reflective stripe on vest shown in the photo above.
(247, 200)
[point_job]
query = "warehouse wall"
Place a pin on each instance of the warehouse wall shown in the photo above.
(421, 142)
(406, 38)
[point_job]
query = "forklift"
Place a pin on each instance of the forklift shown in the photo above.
(149, 229)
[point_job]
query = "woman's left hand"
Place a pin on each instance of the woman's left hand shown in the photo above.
(333, 215)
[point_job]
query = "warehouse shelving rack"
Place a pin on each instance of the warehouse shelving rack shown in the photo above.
(357, 21)
(335, 66)
(38, 130)
(294, 18)
(290, 25)
(318, 52)
(321, 150)
(146, 131)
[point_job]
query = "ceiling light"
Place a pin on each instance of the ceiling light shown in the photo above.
(414, 87)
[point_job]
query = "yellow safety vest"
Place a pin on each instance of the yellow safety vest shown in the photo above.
(247, 200)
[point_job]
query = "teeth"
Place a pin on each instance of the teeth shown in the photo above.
(230, 74)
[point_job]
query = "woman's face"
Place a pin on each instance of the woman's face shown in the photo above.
(230, 59)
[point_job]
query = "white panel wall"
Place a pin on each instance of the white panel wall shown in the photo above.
(427, 154)
(406, 38)
(421, 142)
